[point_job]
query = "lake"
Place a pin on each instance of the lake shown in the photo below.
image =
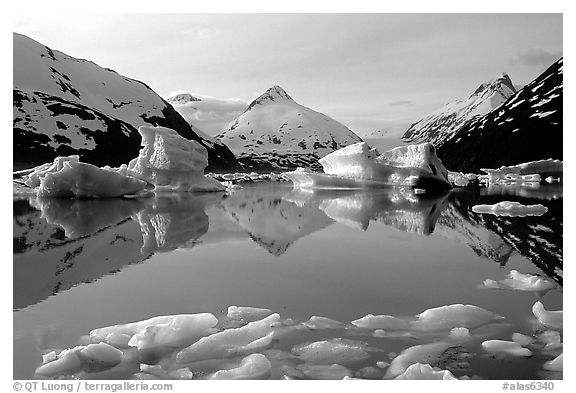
(85, 264)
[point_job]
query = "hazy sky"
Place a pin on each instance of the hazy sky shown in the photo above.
(368, 71)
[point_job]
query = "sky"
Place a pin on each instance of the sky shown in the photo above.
(368, 71)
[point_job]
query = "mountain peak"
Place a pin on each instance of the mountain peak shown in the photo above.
(273, 94)
(502, 79)
(182, 98)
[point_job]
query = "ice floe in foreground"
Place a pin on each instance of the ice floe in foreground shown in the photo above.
(505, 347)
(424, 371)
(359, 166)
(511, 209)
(550, 319)
(200, 346)
(521, 282)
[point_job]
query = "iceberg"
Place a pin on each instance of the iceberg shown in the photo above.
(425, 353)
(550, 319)
(171, 162)
(385, 322)
(458, 179)
(359, 166)
(255, 366)
(556, 364)
(181, 330)
(522, 339)
(325, 372)
(67, 177)
(93, 357)
(369, 372)
(100, 356)
(175, 324)
(511, 209)
(249, 314)
(453, 316)
(249, 338)
(316, 323)
(419, 371)
(331, 351)
(66, 362)
(505, 347)
(521, 282)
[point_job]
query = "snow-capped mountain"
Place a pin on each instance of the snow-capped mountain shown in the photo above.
(63, 105)
(277, 132)
(440, 125)
(182, 98)
(527, 127)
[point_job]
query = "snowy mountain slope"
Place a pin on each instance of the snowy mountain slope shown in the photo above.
(441, 124)
(527, 127)
(277, 132)
(64, 105)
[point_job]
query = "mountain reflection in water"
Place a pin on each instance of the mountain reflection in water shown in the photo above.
(60, 243)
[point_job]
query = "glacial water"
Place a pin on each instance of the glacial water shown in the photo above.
(81, 265)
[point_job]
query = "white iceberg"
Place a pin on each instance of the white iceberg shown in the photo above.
(458, 179)
(511, 209)
(521, 282)
(386, 322)
(67, 177)
(459, 334)
(170, 323)
(426, 353)
(171, 162)
(419, 371)
(550, 319)
(325, 372)
(316, 323)
(359, 166)
(531, 167)
(255, 366)
(248, 314)
(100, 355)
(452, 316)
(556, 364)
(505, 347)
(181, 330)
(66, 362)
(331, 351)
(522, 339)
(246, 339)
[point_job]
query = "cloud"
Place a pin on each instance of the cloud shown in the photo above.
(212, 115)
(536, 57)
(401, 102)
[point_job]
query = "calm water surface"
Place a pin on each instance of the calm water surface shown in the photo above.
(80, 265)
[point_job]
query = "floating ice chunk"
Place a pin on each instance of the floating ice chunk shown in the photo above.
(454, 315)
(250, 338)
(100, 355)
(255, 366)
(320, 371)
(66, 177)
(249, 314)
(158, 372)
(511, 209)
(382, 364)
(66, 362)
(386, 322)
(505, 347)
(550, 319)
(419, 371)
(118, 340)
(171, 162)
(181, 330)
(459, 334)
(427, 353)
(33, 178)
(556, 364)
(540, 166)
(359, 166)
(331, 351)
(522, 339)
(119, 332)
(521, 282)
(316, 323)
